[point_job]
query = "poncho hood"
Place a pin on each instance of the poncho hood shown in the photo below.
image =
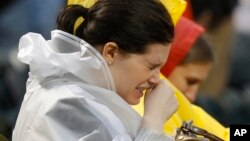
(64, 56)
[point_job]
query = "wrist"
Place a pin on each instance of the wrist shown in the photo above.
(152, 123)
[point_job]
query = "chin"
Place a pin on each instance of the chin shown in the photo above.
(133, 102)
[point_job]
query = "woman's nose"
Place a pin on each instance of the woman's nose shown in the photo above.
(155, 78)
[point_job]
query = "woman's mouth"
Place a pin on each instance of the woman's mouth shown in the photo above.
(140, 91)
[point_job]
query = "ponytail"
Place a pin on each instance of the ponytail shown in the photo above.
(68, 17)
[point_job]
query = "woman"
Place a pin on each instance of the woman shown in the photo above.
(82, 81)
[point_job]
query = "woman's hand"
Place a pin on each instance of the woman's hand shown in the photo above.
(160, 104)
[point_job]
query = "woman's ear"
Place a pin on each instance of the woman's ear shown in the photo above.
(109, 52)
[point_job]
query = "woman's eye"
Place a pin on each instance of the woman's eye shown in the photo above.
(192, 81)
(152, 68)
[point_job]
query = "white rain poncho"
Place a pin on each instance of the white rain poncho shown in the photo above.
(71, 95)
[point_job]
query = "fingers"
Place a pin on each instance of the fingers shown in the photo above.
(160, 100)
(160, 104)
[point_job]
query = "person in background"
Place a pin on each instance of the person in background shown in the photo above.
(189, 51)
(215, 17)
(190, 59)
(82, 82)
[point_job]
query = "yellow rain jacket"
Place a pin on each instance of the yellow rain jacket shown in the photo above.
(186, 110)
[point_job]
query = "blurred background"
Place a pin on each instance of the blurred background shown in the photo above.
(18, 17)
(225, 94)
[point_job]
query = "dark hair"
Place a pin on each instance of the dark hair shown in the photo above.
(132, 24)
(201, 52)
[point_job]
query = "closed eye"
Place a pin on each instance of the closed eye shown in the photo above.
(192, 81)
(152, 67)
(155, 66)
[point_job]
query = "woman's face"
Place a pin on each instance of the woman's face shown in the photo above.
(188, 78)
(134, 73)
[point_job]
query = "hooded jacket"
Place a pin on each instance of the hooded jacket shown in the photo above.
(71, 95)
